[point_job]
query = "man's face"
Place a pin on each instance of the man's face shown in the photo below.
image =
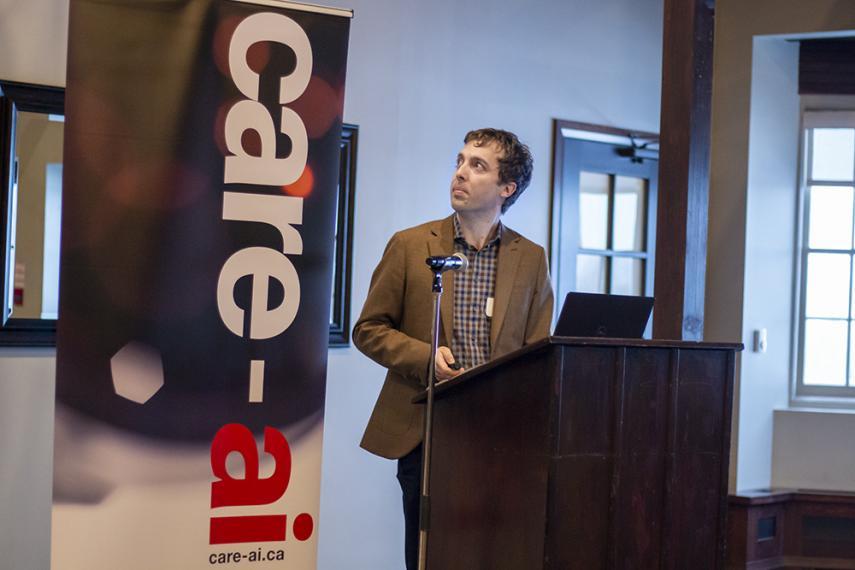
(475, 187)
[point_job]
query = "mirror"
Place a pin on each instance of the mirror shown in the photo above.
(31, 136)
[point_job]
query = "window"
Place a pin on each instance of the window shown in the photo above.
(612, 255)
(826, 336)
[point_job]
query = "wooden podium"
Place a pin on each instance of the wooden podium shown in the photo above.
(584, 453)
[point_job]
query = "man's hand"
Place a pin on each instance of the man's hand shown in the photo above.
(444, 363)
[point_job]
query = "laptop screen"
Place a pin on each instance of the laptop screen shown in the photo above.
(597, 315)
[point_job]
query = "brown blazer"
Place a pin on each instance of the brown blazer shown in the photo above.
(394, 327)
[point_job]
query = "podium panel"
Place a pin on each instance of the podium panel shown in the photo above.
(584, 453)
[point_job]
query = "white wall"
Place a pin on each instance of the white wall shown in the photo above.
(420, 74)
(26, 457)
(753, 190)
(33, 35)
(773, 153)
(814, 449)
(32, 50)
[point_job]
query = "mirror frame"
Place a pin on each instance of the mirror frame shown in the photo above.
(14, 97)
(342, 265)
(51, 100)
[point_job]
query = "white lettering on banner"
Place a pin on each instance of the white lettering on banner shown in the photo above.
(261, 264)
(264, 170)
(267, 26)
(278, 211)
(249, 114)
(282, 212)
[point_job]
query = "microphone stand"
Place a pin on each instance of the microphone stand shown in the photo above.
(424, 504)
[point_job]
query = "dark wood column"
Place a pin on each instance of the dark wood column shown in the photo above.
(684, 159)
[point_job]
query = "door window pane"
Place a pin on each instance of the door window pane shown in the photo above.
(627, 276)
(833, 154)
(825, 353)
(590, 273)
(629, 213)
(827, 285)
(593, 210)
(830, 222)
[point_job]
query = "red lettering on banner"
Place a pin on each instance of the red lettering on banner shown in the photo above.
(251, 490)
(263, 528)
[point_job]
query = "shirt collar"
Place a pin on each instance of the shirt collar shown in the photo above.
(458, 233)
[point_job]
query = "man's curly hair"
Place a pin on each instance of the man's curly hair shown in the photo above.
(516, 162)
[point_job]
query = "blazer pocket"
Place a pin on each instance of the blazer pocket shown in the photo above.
(395, 411)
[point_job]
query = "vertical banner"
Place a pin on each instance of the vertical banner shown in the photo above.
(201, 168)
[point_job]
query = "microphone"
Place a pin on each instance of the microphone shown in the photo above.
(440, 263)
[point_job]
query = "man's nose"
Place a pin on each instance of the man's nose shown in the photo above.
(460, 173)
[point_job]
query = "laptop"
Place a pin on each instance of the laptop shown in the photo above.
(611, 316)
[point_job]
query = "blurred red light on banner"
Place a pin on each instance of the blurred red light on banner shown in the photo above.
(303, 186)
(156, 184)
(220, 126)
(318, 107)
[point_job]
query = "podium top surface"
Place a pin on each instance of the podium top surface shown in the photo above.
(577, 341)
(639, 342)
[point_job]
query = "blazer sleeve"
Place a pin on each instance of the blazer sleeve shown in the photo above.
(538, 324)
(376, 333)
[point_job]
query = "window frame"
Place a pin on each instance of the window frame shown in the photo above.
(803, 394)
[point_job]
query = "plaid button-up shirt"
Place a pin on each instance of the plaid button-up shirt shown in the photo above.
(474, 290)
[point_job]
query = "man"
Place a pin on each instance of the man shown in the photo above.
(500, 303)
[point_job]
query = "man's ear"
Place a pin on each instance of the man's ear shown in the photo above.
(508, 190)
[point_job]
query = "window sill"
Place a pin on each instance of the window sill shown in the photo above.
(820, 405)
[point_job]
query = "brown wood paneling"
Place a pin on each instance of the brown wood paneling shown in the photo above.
(587, 401)
(737, 530)
(681, 224)
(766, 547)
(583, 454)
(814, 529)
(693, 508)
(578, 529)
(640, 485)
(699, 388)
(827, 67)
(490, 473)
(647, 395)
(692, 529)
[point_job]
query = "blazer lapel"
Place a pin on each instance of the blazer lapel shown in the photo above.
(506, 271)
(441, 242)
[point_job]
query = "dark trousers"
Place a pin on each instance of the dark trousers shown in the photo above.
(410, 478)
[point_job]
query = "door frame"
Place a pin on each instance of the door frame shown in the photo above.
(563, 131)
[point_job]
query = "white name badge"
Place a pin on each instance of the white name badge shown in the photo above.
(488, 309)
